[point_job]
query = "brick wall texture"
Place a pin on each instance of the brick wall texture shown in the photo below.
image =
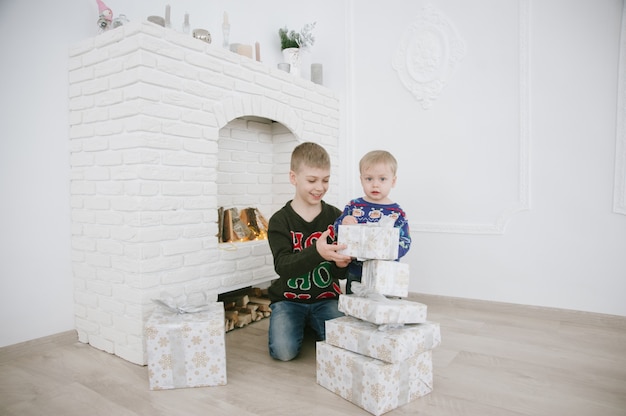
(164, 129)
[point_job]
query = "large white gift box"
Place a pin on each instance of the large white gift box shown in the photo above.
(393, 345)
(381, 310)
(374, 385)
(369, 241)
(387, 277)
(186, 349)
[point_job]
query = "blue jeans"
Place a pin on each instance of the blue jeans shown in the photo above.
(288, 321)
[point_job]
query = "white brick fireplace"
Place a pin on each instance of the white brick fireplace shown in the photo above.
(164, 129)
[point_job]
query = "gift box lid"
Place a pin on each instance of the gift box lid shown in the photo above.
(390, 344)
(386, 277)
(365, 241)
(381, 310)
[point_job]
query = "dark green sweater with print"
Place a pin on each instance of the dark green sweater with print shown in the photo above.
(304, 276)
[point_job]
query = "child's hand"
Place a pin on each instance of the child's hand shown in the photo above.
(330, 252)
(343, 263)
(349, 220)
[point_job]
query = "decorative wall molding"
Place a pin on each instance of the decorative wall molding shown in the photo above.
(499, 224)
(428, 51)
(619, 192)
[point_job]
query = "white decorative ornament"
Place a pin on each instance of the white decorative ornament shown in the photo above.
(428, 51)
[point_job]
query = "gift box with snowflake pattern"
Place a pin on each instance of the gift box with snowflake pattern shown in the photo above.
(381, 310)
(393, 345)
(387, 277)
(369, 242)
(372, 384)
(186, 349)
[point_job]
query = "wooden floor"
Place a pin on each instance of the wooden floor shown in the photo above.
(495, 359)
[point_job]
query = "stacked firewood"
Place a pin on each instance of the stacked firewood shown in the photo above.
(244, 307)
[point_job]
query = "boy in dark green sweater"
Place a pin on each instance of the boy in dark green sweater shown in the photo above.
(308, 264)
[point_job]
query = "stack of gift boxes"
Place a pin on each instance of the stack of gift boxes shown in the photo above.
(185, 345)
(378, 356)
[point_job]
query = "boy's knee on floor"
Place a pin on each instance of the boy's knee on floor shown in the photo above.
(286, 355)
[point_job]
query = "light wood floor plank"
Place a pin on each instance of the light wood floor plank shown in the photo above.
(495, 360)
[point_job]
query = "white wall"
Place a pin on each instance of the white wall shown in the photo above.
(35, 277)
(462, 167)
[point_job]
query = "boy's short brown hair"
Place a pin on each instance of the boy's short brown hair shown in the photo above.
(378, 156)
(309, 154)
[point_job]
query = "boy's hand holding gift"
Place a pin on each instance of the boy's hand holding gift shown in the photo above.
(349, 220)
(332, 252)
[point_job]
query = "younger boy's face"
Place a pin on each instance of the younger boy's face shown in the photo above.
(377, 181)
(311, 184)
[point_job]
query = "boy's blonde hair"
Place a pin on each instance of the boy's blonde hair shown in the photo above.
(310, 154)
(378, 156)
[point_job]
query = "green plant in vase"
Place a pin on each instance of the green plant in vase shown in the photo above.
(292, 42)
(293, 39)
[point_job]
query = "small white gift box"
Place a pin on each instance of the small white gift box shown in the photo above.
(186, 349)
(374, 385)
(394, 345)
(380, 310)
(369, 241)
(387, 277)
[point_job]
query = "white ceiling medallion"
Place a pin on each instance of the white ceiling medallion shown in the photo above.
(428, 51)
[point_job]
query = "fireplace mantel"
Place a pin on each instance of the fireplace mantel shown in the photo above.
(164, 129)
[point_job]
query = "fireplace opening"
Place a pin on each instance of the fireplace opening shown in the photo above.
(252, 178)
(253, 164)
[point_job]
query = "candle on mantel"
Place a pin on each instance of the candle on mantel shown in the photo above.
(225, 31)
(317, 75)
(168, 23)
(186, 23)
(257, 50)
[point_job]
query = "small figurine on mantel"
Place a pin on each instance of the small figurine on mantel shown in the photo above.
(106, 16)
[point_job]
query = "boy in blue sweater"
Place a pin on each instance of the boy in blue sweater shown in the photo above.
(378, 175)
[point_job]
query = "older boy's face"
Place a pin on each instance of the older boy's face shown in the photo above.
(311, 183)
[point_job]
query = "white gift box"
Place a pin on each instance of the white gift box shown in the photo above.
(369, 242)
(374, 385)
(391, 345)
(186, 349)
(380, 310)
(387, 277)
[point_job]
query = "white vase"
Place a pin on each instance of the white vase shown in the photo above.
(292, 57)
